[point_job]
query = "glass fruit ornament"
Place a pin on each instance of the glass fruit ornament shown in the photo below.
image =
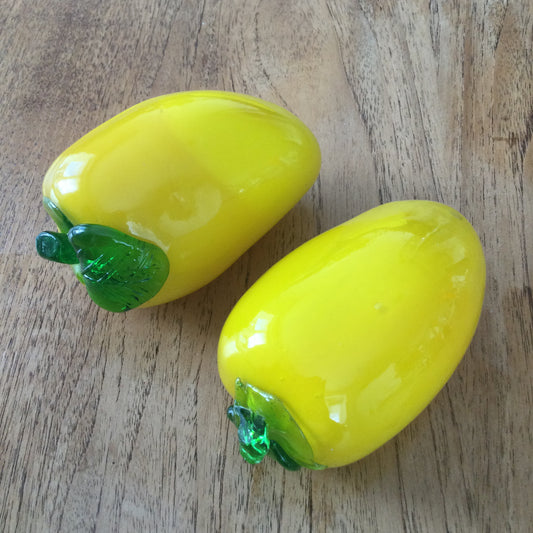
(347, 339)
(161, 199)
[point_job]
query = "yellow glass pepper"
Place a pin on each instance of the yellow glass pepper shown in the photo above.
(347, 339)
(161, 199)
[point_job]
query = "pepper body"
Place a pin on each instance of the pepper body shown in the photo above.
(201, 175)
(358, 329)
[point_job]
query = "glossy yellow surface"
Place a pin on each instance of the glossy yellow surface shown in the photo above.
(358, 329)
(203, 175)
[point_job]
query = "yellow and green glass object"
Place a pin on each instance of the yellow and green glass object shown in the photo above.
(161, 199)
(347, 339)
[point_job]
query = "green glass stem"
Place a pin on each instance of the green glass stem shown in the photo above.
(119, 271)
(252, 432)
(55, 247)
(265, 426)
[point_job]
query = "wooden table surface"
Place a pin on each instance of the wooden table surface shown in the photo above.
(116, 422)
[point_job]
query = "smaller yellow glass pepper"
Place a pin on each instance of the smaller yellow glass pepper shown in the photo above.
(347, 339)
(161, 199)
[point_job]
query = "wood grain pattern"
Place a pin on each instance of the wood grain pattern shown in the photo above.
(116, 422)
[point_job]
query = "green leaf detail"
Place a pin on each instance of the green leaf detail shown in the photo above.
(119, 271)
(283, 458)
(62, 222)
(266, 426)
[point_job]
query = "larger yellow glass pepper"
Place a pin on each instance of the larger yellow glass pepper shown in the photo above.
(161, 199)
(344, 341)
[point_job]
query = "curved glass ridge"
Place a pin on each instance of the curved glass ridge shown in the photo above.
(120, 272)
(265, 426)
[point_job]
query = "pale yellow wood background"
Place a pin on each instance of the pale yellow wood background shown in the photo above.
(117, 422)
